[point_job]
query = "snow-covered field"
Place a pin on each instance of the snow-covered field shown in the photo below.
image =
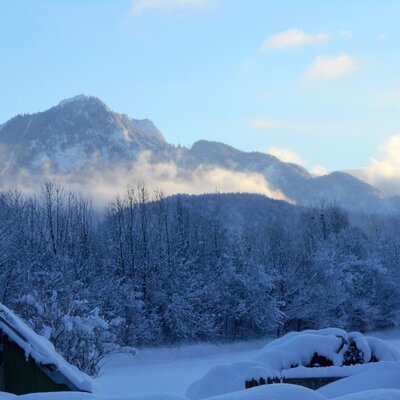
(169, 370)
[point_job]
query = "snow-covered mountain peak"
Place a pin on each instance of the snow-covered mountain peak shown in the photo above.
(75, 133)
(90, 110)
(82, 100)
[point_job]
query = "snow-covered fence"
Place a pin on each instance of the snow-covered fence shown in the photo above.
(311, 383)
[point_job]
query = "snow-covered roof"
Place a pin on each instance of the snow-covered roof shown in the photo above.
(291, 357)
(43, 352)
(297, 349)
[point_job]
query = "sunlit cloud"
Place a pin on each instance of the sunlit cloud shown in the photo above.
(141, 6)
(292, 38)
(290, 156)
(285, 155)
(319, 170)
(331, 67)
(264, 123)
(384, 171)
(102, 184)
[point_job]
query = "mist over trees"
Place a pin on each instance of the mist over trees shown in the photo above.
(152, 270)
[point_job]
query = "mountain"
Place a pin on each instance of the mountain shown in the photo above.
(83, 139)
(279, 175)
(77, 131)
(295, 181)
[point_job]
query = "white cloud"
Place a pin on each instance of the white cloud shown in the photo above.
(319, 170)
(331, 67)
(384, 172)
(292, 38)
(380, 39)
(391, 150)
(141, 6)
(285, 155)
(291, 156)
(264, 123)
(102, 184)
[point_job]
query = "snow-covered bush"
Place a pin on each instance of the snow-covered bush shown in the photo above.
(79, 333)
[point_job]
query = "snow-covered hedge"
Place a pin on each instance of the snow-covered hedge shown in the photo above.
(298, 354)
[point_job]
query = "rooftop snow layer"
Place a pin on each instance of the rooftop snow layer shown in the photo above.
(41, 349)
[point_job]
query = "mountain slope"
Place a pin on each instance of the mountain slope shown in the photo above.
(280, 175)
(83, 139)
(295, 181)
(237, 211)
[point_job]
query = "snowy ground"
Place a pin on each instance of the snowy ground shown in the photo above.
(390, 336)
(169, 370)
(172, 370)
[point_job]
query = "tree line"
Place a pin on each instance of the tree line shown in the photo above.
(151, 270)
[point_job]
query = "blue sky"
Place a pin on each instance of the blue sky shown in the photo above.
(313, 81)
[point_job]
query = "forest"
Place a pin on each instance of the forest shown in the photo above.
(150, 270)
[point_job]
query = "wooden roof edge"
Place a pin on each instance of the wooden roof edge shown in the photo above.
(58, 377)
